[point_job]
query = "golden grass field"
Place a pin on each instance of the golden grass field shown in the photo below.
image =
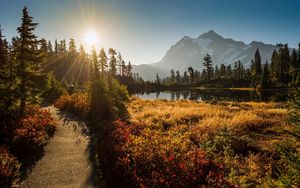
(251, 139)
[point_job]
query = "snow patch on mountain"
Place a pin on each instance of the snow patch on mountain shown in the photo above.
(204, 44)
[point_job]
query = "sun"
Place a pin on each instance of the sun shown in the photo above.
(91, 38)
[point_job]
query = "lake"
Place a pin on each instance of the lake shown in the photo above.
(216, 95)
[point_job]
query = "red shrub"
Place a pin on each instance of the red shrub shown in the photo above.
(32, 131)
(136, 161)
(9, 168)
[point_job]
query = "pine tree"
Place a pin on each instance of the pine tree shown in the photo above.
(285, 59)
(293, 65)
(62, 48)
(191, 73)
(185, 77)
(228, 72)
(95, 63)
(265, 78)
(256, 69)
(257, 64)
(50, 49)
(178, 77)
(3, 58)
(119, 64)
(129, 69)
(157, 79)
(44, 51)
(222, 71)
(8, 82)
(27, 57)
(112, 61)
(208, 66)
(82, 53)
(196, 76)
(56, 48)
(123, 68)
(103, 60)
(172, 72)
(235, 70)
(275, 66)
(72, 46)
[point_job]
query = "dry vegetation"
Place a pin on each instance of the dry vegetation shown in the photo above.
(250, 143)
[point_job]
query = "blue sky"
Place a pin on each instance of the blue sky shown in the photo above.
(143, 30)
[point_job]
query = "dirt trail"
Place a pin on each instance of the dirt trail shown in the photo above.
(66, 160)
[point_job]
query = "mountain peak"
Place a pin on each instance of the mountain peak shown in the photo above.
(211, 34)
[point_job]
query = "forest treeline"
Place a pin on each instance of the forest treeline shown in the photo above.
(283, 71)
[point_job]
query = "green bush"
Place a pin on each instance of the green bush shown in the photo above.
(53, 89)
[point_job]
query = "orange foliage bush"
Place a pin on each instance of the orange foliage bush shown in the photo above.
(77, 104)
(31, 132)
(141, 158)
(9, 168)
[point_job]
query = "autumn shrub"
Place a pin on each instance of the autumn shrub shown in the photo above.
(9, 168)
(77, 104)
(31, 132)
(144, 158)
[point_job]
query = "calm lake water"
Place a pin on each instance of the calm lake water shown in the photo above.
(216, 94)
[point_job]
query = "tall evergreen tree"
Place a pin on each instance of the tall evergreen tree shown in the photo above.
(207, 63)
(286, 60)
(119, 64)
(27, 57)
(178, 78)
(44, 51)
(62, 47)
(123, 68)
(56, 47)
(103, 60)
(72, 46)
(265, 78)
(191, 73)
(229, 72)
(223, 71)
(3, 58)
(50, 49)
(256, 69)
(82, 53)
(257, 64)
(95, 63)
(7, 74)
(157, 79)
(172, 76)
(275, 66)
(293, 66)
(129, 69)
(185, 77)
(112, 61)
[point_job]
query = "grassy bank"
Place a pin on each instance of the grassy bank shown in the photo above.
(184, 143)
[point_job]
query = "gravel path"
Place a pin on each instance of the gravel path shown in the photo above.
(66, 159)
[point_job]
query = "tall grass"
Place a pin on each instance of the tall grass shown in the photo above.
(237, 144)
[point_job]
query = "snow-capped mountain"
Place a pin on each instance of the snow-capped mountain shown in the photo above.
(190, 52)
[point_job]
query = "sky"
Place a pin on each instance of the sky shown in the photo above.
(143, 30)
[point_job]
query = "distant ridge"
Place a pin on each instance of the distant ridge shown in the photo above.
(190, 52)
